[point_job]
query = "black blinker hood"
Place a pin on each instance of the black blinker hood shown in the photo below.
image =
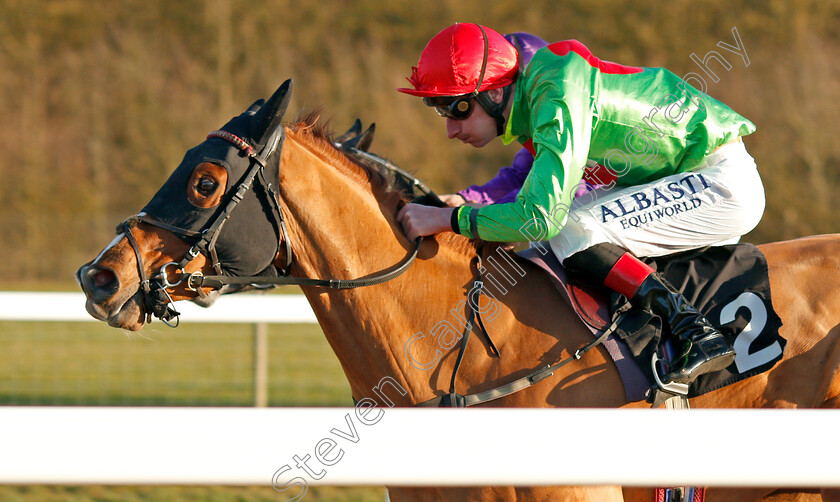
(248, 241)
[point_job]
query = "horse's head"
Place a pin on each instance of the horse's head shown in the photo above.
(217, 213)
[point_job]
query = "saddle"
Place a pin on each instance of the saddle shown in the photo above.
(728, 284)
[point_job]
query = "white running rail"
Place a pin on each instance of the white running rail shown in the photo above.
(295, 447)
(240, 308)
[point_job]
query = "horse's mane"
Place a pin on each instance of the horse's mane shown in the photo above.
(383, 186)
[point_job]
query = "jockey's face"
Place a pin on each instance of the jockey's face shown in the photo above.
(479, 128)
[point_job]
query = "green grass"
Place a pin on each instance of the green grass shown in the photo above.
(182, 494)
(47, 363)
(91, 364)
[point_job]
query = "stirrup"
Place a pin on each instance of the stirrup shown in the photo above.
(679, 389)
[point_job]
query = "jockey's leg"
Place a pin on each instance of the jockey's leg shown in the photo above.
(715, 204)
(699, 347)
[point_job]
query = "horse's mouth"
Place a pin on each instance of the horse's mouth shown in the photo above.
(107, 298)
(128, 314)
(131, 316)
(124, 308)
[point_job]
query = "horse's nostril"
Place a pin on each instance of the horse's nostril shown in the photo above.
(103, 277)
(98, 283)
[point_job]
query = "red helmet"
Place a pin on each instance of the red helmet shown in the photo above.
(461, 59)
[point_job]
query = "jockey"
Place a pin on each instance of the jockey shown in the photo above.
(672, 170)
(508, 181)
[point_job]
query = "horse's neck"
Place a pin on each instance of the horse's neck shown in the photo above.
(339, 229)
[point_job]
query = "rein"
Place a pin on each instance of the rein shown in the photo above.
(156, 299)
(412, 180)
(158, 302)
(197, 280)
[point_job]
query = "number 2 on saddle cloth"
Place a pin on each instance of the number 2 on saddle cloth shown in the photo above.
(728, 284)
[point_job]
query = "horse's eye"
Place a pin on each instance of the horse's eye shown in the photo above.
(206, 186)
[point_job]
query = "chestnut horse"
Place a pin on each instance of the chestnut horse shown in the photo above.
(338, 222)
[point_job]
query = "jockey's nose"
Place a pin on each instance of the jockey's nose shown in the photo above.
(453, 127)
(98, 283)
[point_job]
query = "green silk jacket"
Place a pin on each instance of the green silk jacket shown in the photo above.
(569, 107)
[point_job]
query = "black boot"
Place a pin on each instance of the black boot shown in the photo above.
(699, 348)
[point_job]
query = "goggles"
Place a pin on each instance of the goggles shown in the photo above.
(455, 109)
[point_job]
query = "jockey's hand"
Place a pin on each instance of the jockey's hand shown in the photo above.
(418, 220)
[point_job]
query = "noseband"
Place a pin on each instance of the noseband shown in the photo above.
(156, 298)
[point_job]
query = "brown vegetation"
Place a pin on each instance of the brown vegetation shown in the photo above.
(100, 99)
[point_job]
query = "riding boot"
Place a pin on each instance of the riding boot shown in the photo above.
(699, 347)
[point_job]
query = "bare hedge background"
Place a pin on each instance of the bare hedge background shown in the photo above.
(100, 99)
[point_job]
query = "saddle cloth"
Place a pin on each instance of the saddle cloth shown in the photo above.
(729, 284)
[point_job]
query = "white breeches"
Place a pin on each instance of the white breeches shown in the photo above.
(714, 204)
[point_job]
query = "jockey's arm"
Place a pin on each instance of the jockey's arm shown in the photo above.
(560, 125)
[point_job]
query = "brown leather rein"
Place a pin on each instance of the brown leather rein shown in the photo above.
(157, 301)
(156, 298)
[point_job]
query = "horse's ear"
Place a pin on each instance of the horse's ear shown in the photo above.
(367, 138)
(360, 141)
(270, 115)
(354, 131)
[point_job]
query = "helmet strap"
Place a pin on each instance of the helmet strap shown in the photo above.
(484, 61)
(495, 110)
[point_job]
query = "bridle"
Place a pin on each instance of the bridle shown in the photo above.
(156, 299)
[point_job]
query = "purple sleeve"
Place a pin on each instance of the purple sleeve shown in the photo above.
(505, 185)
